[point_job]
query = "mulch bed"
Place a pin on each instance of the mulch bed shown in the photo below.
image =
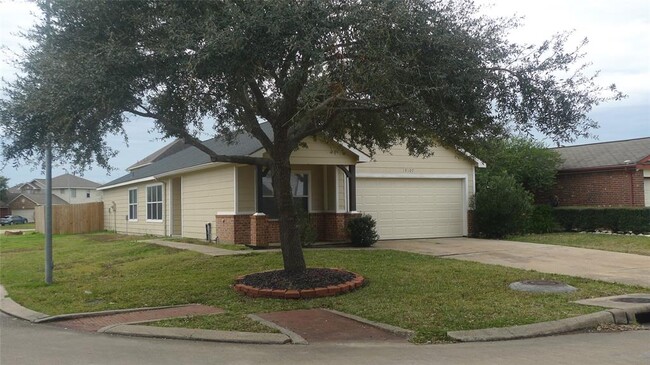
(312, 278)
(313, 283)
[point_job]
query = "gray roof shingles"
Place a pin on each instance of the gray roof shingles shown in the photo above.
(191, 156)
(39, 198)
(604, 154)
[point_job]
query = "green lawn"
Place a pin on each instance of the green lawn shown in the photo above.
(422, 293)
(618, 243)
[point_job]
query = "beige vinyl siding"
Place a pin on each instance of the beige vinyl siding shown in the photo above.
(204, 194)
(332, 197)
(246, 189)
(341, 187)
(320, 153)
(175, 208)
(118, 220)
(398, 161)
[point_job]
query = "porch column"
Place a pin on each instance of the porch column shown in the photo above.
(259, 173)
(352, 177)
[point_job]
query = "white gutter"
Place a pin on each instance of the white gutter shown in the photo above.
(130, 182)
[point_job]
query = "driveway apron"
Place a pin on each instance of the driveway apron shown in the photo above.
(592, 264)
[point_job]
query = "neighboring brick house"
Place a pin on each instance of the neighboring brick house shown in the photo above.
(606, 174)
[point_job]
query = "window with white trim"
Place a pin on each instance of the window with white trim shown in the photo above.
(133, 204)
(73, 193)
(154, 203)
(299, 190)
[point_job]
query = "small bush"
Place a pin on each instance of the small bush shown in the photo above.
(542, 220)
(308, 234)
(635, 220)
(362, 231)
(501, 205)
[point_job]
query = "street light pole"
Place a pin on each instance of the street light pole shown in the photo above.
(49, 265)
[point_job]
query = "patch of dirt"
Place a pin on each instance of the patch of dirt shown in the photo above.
(312, 278)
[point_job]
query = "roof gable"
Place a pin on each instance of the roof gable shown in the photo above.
(39, 199)
(167, 150)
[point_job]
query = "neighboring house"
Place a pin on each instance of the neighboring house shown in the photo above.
(4, 209)
(23, 204)
(605, 174)
(177, 195)
(66, 189)
(72, 189)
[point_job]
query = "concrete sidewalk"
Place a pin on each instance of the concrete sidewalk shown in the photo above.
(592, 264)
(204, 249)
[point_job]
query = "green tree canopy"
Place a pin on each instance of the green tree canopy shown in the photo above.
(4, 187)
(371, 73)
(530, 163)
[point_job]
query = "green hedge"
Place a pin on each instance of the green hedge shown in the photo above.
(636, 220)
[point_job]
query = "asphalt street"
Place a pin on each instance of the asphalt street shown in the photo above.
(33, 344)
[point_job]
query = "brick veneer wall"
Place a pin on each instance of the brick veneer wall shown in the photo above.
(233, 228)
(260, 230)
(600, 188)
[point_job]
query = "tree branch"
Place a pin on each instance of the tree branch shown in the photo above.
(260, 100)
(249, 120)
(193, 141)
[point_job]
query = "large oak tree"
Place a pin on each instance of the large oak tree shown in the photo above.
(371, 73)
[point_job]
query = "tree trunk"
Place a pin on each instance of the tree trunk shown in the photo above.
(292, 255)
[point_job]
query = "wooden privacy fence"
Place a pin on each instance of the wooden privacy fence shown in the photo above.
(72, 219)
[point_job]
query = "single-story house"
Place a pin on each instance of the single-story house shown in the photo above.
(606, 174)
(177, 194)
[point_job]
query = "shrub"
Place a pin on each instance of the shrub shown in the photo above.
(306, 228)
(542, 220)
(362, 231)
(501, 205)
(635, 220)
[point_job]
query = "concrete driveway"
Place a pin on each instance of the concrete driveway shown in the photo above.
(592, 264)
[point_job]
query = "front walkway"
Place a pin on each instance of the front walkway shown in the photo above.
(592, 264)
(204, 249)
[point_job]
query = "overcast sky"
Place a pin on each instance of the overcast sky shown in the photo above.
(619, 46)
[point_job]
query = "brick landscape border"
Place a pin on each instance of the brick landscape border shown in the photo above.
(328, 291)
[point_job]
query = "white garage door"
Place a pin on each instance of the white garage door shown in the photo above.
(413, 208)
(27, 213)
(647, 191)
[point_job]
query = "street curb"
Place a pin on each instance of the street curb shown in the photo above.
(62, 317)
(386, 327)
(197, 334)
(587, 321)
(8, 306)
(296, 339)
